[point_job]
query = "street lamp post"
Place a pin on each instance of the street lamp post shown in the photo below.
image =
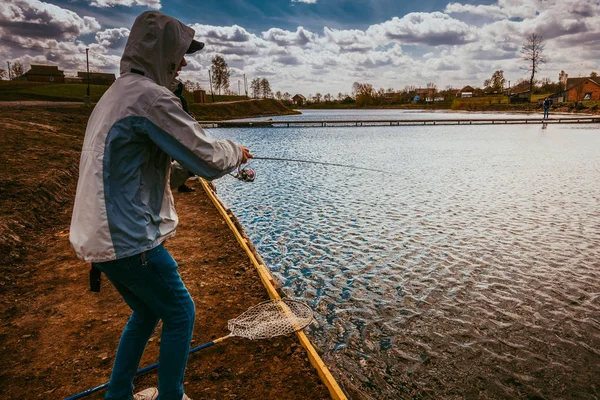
(86, 99)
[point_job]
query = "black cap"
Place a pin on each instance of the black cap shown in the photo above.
(194, 47)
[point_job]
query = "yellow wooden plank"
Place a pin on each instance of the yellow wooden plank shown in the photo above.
(269, 283)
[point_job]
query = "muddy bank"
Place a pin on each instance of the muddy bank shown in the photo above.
(57, 338)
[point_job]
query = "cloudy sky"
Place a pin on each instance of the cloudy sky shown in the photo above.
(309, 46)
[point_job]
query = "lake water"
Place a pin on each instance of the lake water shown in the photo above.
(470, 268)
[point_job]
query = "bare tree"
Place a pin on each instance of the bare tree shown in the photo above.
(362, 89)
(431, 89)
(17, 69)
(287, 96)
(265, 88)
(593, 74)
(255, 88)
(221, 73)
(190, 86)
(562, 80)
(496, 82)
(278, 95)
(2, 74)
(532, 53)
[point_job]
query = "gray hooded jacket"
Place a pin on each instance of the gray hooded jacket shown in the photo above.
(123, 204)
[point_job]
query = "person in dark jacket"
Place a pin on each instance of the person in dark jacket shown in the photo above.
(183, 188)
(547, 104)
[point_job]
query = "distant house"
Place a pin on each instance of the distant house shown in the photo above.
(519, 97)
(97, 78)
(299, 99)
(43, 73)
(580, 89)
(467, 91)
(558, 97)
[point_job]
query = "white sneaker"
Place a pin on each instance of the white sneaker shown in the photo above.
(185, 397)
(146, 394)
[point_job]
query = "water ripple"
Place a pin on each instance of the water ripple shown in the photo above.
(471, 270)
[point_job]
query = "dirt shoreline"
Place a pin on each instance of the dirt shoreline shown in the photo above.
(57, 338)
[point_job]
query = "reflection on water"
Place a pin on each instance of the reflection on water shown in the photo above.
(472, 269)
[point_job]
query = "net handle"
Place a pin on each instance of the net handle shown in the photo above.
(146, 369)
(280, 302)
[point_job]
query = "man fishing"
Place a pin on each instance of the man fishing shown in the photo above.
(123, 208)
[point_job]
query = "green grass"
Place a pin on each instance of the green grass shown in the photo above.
(536, 97)
(478, 102)
(21, 91)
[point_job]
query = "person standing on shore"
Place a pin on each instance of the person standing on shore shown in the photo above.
(547, 104)
(123, 209)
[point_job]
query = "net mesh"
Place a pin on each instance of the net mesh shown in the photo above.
(271, 318)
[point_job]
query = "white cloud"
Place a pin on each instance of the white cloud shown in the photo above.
(33, 18)
(431, 29)
(305, 1)
(127, 3)
(286, 38)
(350, 40)
(494, 12)
(222, 35)
(112, 38)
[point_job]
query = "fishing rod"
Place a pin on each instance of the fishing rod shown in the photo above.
(248, 175)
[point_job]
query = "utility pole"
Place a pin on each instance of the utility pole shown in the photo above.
(239, 88)
(211, 91)
(87, 60)
(245, 85)
(9, 75)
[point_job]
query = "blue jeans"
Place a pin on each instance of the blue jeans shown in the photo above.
(150, 284)
(545, 113)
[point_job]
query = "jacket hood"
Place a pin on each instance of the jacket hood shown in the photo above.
(155, 47)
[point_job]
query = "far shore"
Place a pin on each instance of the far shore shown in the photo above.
(231, 110)
(487, 109)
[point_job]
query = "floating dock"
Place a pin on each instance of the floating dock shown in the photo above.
(270, 123)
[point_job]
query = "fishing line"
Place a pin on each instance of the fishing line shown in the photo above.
(319, 162)
(248, 175)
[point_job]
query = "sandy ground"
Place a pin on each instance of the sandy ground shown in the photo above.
(57, 338)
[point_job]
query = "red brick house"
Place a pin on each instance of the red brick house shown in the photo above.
(43, 73)
(580, 89)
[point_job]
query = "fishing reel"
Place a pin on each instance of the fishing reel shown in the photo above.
(245, 174)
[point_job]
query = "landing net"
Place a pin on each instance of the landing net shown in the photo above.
(271, 318)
